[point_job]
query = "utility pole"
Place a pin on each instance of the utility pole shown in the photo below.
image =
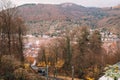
(47, 72)
(55, 73)
(72, 72)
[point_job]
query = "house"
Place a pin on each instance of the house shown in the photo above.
(112, 71)
(106, 78)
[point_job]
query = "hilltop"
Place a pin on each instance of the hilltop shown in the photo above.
(52, 17)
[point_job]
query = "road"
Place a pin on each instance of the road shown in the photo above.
(52, 78)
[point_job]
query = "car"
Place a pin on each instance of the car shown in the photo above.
(42, 71)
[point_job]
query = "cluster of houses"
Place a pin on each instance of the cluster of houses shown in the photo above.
(32, 45)
(107, 36)
(31, 49)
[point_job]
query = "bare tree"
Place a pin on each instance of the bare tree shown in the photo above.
(95, 42)
(11, 30)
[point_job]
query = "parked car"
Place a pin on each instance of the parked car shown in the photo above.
(42, 71)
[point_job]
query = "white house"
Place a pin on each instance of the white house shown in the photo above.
(104, 77)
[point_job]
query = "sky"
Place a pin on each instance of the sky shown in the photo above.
(86, 3)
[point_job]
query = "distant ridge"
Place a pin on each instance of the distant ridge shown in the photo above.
(57, 11)
(84, 16)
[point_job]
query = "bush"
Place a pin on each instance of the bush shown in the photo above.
(8, 65)
(9, 62)
(20, 73)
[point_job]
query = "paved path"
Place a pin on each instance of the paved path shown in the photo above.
(52, 78)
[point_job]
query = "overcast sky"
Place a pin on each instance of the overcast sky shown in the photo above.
(87, 3)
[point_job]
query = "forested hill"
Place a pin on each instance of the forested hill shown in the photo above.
(58, 16)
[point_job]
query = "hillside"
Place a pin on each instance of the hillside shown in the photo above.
(47, 18)
(112, 22)
(62, 11)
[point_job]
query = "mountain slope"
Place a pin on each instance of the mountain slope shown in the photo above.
(57, 17)
(49, 11)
